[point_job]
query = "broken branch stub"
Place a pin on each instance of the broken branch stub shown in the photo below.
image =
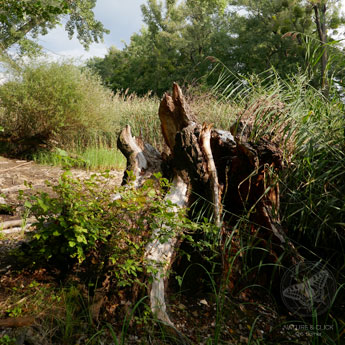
(143, 160)
(216, 189)
(174, 115)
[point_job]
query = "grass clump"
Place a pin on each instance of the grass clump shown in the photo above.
(309, 129)
(91, 157)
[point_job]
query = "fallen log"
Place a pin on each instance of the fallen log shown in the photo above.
(236, 176)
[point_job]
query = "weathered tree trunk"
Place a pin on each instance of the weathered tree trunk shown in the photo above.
(236, 176)
(320, 10)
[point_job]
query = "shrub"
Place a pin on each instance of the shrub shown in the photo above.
(54, 101)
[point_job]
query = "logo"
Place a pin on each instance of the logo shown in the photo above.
(308, 288)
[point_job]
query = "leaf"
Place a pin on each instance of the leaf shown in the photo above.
(27, 204)
(71, 243)
(81, 239)
(151, 193)
(43, 206)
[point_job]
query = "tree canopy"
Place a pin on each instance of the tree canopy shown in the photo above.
(182, 40)
(20, 18)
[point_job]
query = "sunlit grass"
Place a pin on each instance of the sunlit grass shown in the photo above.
(103, 158)
(93, 158)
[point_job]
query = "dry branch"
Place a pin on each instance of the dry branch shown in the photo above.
(216, 190)
(160, 255)
(18, 222)
(142, 159)
(15, 322)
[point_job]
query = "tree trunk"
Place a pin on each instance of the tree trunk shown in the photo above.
(320, 21)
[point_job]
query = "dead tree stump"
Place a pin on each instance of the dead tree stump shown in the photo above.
(237, 177)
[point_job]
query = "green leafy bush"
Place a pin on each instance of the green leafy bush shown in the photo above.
(55, 101)
(84, 223)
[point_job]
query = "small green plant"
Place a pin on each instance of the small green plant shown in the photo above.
(14, 312)
(75, 219)
(6, 340)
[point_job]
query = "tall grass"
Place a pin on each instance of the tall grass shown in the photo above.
(91, 157)
(310, 130)
(61, 105)
(141, 113)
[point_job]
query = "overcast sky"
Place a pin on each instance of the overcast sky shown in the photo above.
(122, 18)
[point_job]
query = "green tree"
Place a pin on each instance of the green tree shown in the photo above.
(261, 28)
(277, 33)
(19, 18)
(182, 38)
(172, 47)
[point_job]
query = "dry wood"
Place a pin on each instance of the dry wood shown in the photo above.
(16, 230)
(160, 255)
(17, 222)
(142, 159)
(15, 322)
(17, 166)
(174, 115)
(216, 190)
(234, 174)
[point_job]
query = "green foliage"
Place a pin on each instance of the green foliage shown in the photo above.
(91, 157)
(19, 18)
(173, 47)
(14, 312)
(75, 221)
(183, 39)
(59, 105)
(54, 101)
(76, 226)
(6, 340)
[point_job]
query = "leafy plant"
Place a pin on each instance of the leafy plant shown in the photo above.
(14, 312)
(6, 340)
(84, 223)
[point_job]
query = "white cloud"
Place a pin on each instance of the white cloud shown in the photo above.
(121, 18)
(3, 78)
